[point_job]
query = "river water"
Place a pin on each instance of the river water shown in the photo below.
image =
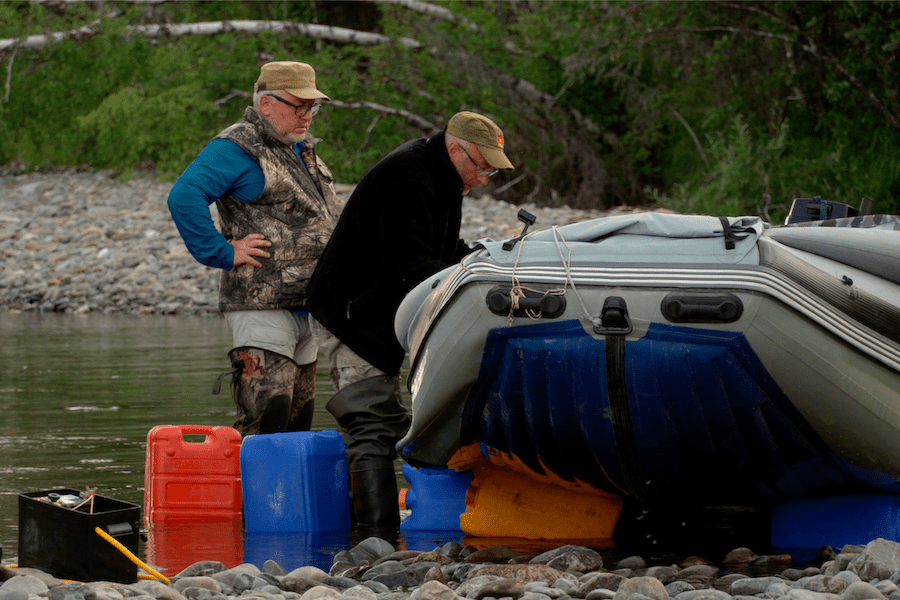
(80, 394)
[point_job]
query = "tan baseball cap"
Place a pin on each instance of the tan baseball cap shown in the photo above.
(296, 78)
(482, 132)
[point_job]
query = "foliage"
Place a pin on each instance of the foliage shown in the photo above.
(702, 107)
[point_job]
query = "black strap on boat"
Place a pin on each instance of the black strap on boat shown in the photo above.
(729, 234)
(635, 484)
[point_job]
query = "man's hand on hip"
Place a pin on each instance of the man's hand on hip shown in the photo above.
(247, 248)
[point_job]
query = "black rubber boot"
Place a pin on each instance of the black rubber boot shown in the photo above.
(304, 401)
(374, 496)
(262, 387)
(372, 414)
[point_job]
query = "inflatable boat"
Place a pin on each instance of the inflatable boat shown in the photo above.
(656, 356)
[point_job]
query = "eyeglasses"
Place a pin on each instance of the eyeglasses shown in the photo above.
(481, 172)
(300, 109)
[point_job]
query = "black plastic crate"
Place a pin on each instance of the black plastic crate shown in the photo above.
(64, 543)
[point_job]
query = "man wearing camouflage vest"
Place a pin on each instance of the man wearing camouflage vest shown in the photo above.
(277, 208)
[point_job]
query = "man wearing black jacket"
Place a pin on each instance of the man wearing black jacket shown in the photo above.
(400, 225)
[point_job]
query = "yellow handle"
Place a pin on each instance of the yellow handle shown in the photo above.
(155, 574)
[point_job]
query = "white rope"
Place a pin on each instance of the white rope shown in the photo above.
(596, 321)
(517, 290)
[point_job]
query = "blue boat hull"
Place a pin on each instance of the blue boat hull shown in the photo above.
(698, 415)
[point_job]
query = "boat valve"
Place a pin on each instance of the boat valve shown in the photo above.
(528, 219)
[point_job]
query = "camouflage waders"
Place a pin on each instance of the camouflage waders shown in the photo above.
(271, 392)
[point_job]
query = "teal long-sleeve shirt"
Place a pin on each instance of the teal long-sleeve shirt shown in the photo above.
(221, 168)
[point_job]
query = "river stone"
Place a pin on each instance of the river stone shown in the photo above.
(435, 573)
(706, 594)
(498, 588)
(825, 584)
(29, 584)
(596, 581)
(158, 589)
(403, 579)
(359, 591)
(569, 586)
(663, 573)
(526, 573)
(203, 568)
(320, 592)
(339, 582)
(578, 559)
(198, 593)
(542, 589)
(307, 572)
(748, 586)
(879, 560)
(70, 588)
(534, 596)
(648, 587)
(861, 590)
(676, 587)
(631, 562)
(298, 585)
(600, 594)
(273, 568)
(433, 556)
(699, 575)
(798, 594)
(14, 595)
(886, 587)
(740, 556)
(850, 576)
(433, 590)
(203, 582)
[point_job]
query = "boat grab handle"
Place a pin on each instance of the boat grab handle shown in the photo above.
(533, 304)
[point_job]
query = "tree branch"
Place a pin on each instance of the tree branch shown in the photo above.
(9, 67)
(413, 119)
(324, 32)
(693, 135)
(435, 10)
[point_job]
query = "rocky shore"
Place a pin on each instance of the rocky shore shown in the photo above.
(83, 242)
(375, 570)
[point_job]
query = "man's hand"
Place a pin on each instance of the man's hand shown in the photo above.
(250, 246)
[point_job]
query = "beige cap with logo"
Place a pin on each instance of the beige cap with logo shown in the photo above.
(295, 78)
(482, 132)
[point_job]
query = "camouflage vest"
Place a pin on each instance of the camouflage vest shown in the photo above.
(296, 211)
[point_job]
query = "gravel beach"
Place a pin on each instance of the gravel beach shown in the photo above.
(375, 570)
(82, 242)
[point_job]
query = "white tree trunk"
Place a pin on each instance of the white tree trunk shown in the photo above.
(323, 32)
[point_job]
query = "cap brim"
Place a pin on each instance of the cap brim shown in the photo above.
(495, 157)
(308, 94)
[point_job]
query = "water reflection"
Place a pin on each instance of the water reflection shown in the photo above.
(296, 549)
(172, 546)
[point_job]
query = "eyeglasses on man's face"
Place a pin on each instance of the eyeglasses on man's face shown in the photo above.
(300, 109)
(478, 170)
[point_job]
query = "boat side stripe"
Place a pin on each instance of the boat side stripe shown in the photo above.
(751, 278)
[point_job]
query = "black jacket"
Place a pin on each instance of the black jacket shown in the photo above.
(400, 225)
